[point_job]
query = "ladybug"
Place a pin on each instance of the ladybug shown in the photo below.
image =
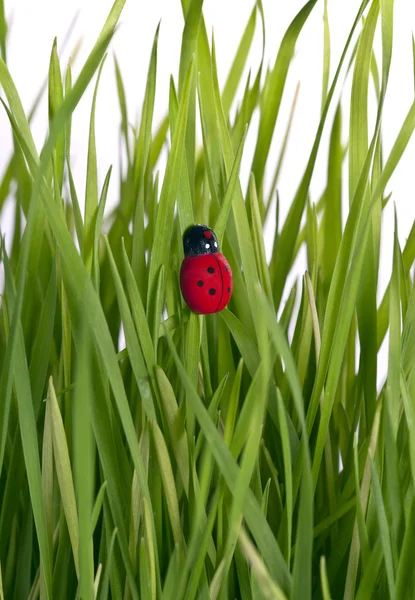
(205, 274)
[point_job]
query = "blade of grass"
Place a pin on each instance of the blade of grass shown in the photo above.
(162, 235)
(383, 531)
(91, 191)
(64, 474)
(274, 90)
(84, 467)
(252, 511)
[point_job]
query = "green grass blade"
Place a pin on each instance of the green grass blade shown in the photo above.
(134, 351)
(252, 510)
(222, 218)
(235, 73)
(326, 57)
(143, 142)
(175, 425)
(97, 229)
(162, 236)
(170, 492)
(84, 468)
(55, 100)
(64, 474)
(3, 31)
(27, 425)
(383, 531)
(394, 354)
(91, 191)
(274, 91)
(289, 232)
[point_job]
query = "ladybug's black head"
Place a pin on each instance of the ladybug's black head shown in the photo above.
(199, 239)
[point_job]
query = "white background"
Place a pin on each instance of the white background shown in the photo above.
(35, 24)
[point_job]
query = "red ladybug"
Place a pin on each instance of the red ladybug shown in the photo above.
(205, 274)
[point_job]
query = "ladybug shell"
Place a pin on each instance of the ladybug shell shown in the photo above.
(206, 282)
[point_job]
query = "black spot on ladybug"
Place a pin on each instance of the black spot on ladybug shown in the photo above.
(227, 268)
(200, 283)
(229, 290)
(212, 291)
(211, 270)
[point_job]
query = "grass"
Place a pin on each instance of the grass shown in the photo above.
(217, 456)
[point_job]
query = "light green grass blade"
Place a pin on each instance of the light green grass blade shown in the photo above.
(84, 468)
(248, 462)
(285, 442)
(275, 177)
(326, 58)
(394, 354)
(123, 108)
(304, 535)
(252, 510)
(64, 474)
(134, 351)
(358, 151)
(79, 224)
(138, 314)
(259, 244)
(274, 90)
(55, 89)
(235, 73)
(47, 483)
(184, 198)
(162, 236)
(352, 280)
(91, 191)
(175, 425)
(98, 506)
(97, 229)
(3, 31)
(383, 531)
(405, 573)
(332, 217)
(265, 581)
(289, 233)
(27, 425)
(324, 579)
(222, 218)
(170, 492)
(103, 591)
(238, 209)
(188, 50)
(43, 343)
(143, 142)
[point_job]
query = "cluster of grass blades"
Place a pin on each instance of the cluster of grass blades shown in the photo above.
(211, 457)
